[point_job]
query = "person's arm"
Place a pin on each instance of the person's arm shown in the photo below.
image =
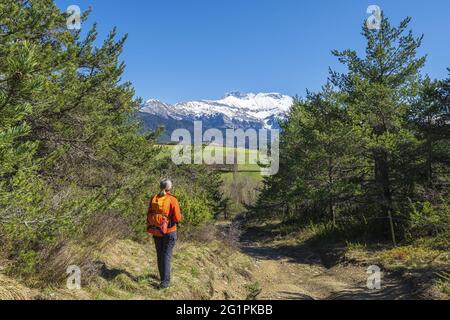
(176, 211)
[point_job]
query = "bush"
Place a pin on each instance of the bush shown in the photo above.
(427, 219)
(195, 208)
(46, 262)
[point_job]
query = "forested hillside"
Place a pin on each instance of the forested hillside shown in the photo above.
(369, 155)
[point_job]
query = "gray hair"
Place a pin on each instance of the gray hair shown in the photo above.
(165, 184)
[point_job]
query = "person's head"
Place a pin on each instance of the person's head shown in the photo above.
(165, 185)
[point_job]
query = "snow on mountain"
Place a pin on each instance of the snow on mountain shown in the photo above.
(234, 110)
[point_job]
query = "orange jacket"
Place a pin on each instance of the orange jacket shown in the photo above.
(170, 208)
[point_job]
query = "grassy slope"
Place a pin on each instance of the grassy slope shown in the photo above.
(200, 271)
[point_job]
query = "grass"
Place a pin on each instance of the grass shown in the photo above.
(200, 271)
(245, 169)
(11, 289)
(444, 283)
(426, 266)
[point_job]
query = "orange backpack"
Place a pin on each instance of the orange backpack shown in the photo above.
(159, 216)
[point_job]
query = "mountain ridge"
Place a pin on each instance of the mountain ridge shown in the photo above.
(235, 110)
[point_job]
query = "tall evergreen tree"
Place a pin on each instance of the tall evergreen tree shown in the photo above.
(380, 88)
(71, 147)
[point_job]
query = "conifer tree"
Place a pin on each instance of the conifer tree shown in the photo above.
(371, 147)
(380, 88)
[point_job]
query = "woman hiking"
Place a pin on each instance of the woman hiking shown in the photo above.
(162, 219)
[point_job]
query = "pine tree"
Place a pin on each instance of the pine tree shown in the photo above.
(69, 147)
(380, 88)
(315, 178)
(24, 59)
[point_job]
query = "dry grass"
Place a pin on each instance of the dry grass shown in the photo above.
(112, 268)
(200, 271)
(226, 232)
(102, 231)
(13, 290)
(127, 270)
(420, 265)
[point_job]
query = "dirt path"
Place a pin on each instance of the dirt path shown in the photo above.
(295, 272)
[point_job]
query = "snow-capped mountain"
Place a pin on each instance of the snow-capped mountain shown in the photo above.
(234, 110)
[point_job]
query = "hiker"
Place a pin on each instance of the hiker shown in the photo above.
(162, 219)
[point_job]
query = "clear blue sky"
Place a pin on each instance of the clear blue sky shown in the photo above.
(199, 49)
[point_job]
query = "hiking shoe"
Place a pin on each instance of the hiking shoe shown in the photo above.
(164, 285)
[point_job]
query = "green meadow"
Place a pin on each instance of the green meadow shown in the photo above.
(247, 168)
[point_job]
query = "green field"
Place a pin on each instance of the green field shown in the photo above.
(247, 169)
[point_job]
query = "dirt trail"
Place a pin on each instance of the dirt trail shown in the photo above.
(295, 272)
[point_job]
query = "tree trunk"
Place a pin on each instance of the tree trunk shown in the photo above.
(391, 224)
(429, 160)
(382, 179)
(330, 191)
(332, 213)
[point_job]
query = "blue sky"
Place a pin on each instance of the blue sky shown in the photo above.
(199, 49)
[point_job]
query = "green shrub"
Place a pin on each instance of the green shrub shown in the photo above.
(427, 219)
(26, 263)
(195, 208)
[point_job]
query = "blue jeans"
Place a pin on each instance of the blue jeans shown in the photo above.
(164, 248)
